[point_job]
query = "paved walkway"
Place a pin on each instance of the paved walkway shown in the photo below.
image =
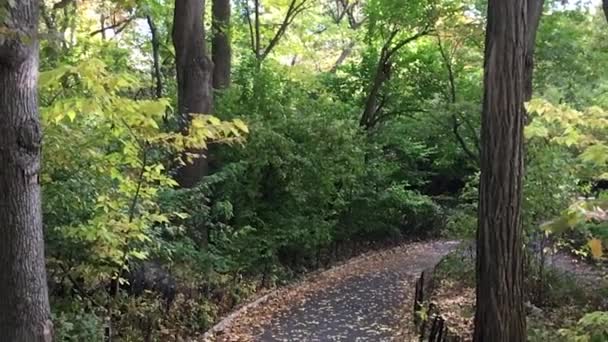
(367, 307)
(367, 299)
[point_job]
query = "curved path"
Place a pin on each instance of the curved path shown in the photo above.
(366, 299)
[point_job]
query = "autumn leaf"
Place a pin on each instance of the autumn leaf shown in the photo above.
(596, 248)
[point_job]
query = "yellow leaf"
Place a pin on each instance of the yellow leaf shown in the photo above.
(71, 114)
(596, 248)
(153, 107)
(241, 125)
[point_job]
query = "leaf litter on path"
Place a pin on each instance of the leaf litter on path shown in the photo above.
(366, 299)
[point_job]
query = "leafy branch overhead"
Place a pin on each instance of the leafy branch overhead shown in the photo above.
(257, 28)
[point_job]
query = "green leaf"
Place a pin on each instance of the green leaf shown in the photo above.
(597, 154)
(71, 114)
(139, 255)
(536, 130)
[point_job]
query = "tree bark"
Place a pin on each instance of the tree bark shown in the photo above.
(500, 315)
(220, 44)
(157, 74)
(24, 303)
(194, 76)
(605, 6)
(534, 11)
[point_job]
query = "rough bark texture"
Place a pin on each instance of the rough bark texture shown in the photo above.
(24, 304)
(194, 75)
(500, 315)
(220, 44)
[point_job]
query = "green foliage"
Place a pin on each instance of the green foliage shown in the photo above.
(583, 133)
(593, 327)
(462, 220)
(77, 325)
(105, 163)
(458, 266)
(309, 186)
(584, 130)
(550, 182)
(307, 182)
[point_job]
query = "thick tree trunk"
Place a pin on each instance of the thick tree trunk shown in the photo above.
(220, 44)
(500, 315)
(194, 74)
(24, 304)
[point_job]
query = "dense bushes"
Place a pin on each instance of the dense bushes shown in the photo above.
(308, 179)
(307, 187)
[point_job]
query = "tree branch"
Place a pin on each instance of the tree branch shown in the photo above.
(448, 65)
(346, 51)
(251, 36)
(118, 27)
(257, 28)
(294, 9)
(383, 70)
(461, 141)
(406, 41)
(62, 4)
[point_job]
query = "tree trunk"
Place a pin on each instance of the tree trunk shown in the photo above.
(194, 74)
(535, 9)
(605, 6)
(220, 44)
(24, 303)
(500, 315)
(346, 52)
(370, 111)
(157, 74)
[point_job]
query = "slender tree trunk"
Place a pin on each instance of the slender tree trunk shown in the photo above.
(24, 304)
(220, 44)
(500, 315)
(258, 42)
(156, 72)
(370, 116)
(534, 11)
(346, 52)
(102, 23)
(605, 6)
(194, 74)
